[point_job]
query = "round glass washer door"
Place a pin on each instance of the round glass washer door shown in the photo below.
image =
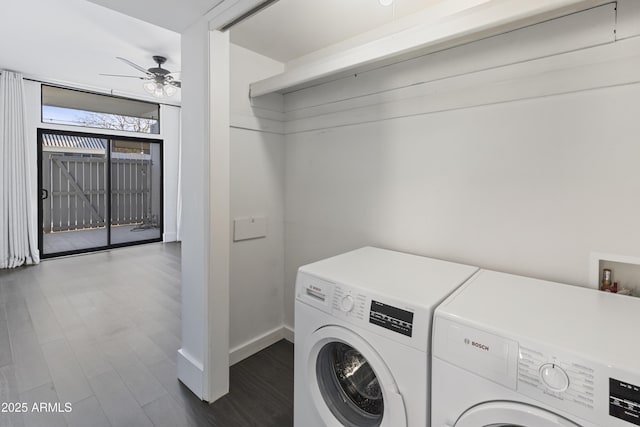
(350, 384)
(511, 414)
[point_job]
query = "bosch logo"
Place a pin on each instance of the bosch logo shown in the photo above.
(467, 341)
(480, 346)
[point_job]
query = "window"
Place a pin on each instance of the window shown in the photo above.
(77, 108)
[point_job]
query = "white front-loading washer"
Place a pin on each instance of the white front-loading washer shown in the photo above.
(515, 351)
(362, 334)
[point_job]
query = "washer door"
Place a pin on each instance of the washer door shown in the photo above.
(511, 414)
(349, 382)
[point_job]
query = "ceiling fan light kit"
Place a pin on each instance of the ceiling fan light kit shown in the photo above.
(158, 81)
(159, 90)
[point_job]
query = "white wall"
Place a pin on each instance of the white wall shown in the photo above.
(217, 347)
(524, 167)
(257, 189)
(241, 313)
(195, 208)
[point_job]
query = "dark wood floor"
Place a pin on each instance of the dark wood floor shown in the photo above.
(101, 331)
(261, 392)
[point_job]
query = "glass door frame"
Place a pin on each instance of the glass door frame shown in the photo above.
(109, 138)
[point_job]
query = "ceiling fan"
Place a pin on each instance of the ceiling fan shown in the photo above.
(159, 81)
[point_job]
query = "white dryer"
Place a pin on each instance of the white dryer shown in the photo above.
(515, 351)
(363, 322)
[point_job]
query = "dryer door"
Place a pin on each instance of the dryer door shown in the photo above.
(511, 414)
(350, 383)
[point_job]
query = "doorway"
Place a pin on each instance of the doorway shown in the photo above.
(97, 192)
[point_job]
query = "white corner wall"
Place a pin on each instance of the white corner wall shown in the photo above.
(192, 363)
(257, 189)
(232, 292)
(525, 167)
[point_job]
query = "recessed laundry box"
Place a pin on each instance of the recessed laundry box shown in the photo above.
(363, 328)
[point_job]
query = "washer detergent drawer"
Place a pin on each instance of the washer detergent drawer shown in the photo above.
(487, 355)
(511, 413)
(316, 292)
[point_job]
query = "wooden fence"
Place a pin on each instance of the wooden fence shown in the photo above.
(77, 191)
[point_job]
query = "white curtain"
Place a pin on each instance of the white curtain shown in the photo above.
(18, 235)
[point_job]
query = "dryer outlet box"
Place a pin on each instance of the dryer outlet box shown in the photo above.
(253, 227)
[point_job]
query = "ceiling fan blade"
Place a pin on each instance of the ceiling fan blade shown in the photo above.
(136, 66)
(175, 83)
(122, 75)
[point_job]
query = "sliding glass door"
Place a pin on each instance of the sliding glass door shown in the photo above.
(136, 173)
(98, 192)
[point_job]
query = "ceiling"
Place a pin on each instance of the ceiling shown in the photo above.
(176, 15)
(283, 31)
(73, 41)
(289, 29)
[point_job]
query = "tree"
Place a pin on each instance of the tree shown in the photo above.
(119, 122)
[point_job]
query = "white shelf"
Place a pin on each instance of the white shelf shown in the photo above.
(441, 26)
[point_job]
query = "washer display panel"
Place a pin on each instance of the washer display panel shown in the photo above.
(511, 414)
(349, 385)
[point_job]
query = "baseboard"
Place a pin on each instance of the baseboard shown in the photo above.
(169, 237)
(260, 343)
(191, 373)
(289, 334)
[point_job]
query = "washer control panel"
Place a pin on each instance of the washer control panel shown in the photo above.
(352, 304)
(391, 318)
(388, 317)
(557, 379)
(349, 302)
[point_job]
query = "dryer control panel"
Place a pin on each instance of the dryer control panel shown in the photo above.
(558, 379)
(624, 401)
(601, 393)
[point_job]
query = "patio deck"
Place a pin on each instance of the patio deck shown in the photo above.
(92, 238)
